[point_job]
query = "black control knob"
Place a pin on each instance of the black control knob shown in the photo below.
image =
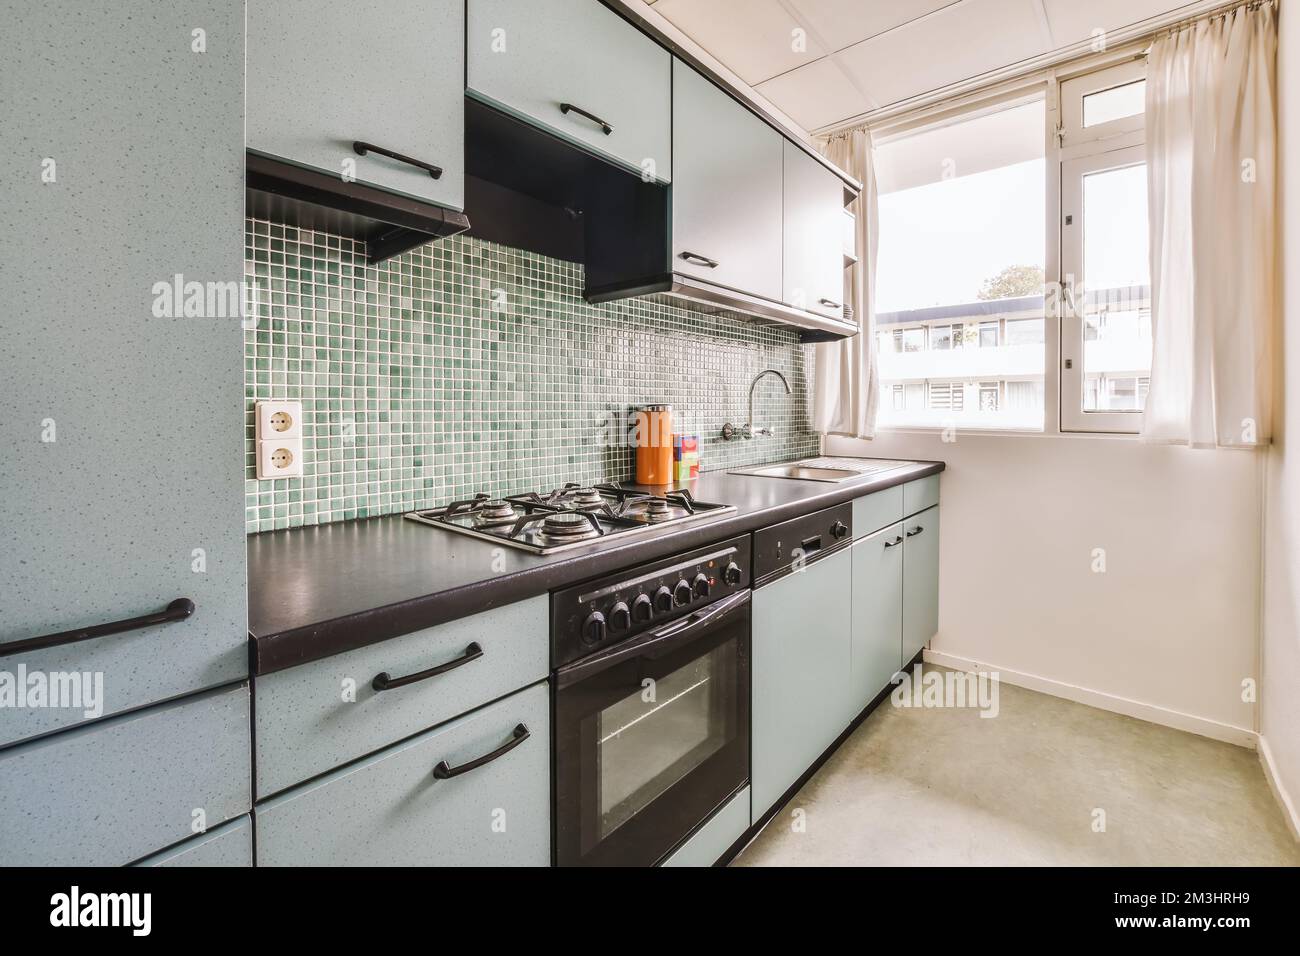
(642, 608)
(663, 600)
(682, 593)
(620, 617)
(701, 585)
(732, 574)
(593, 628)
(839, 531)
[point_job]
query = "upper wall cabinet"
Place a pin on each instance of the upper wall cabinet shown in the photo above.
(726, 204)
(578, 70)
(325, 74)
(813, 267)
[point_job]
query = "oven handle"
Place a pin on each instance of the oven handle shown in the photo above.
(657, 643)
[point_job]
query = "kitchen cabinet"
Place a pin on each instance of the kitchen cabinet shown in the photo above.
(920, 580)
(123, 409)
(877, 613)
(727, 201)
(813, 261)
(802, 635)
(578, 70)
(229, 845)
(323, 74)
(428, 801)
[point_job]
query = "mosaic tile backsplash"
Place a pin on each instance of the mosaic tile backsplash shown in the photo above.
(466, 366)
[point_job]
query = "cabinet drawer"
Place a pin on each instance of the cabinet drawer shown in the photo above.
(230, 844)
(109, 793)
(920, 494)
(323, 74)
(532, 58)
(315, 717)
(877, 511)
(390, 809)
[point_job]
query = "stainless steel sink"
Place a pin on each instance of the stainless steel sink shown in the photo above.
(824, 469)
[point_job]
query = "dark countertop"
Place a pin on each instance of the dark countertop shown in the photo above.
(329, 588)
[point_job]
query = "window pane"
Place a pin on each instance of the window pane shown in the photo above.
(1118, 102)
(1116, 293)
(960, 272)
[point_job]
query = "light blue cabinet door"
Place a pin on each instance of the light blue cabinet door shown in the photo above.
(531, 59)
(325, 73)
(727, 197)
(317, 716)
(920, 580)
(114, 791)
(801, 673)
(877, 613)
(230, 844)
(390, 809)
(122, 422)
(813, 261)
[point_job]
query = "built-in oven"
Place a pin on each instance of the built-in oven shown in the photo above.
(652, 704)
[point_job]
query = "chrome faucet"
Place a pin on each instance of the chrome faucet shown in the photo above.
(729, 431)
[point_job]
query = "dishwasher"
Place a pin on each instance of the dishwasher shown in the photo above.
(802, 647)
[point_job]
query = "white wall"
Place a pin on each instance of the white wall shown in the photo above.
(1168, 632)
(1280, 694)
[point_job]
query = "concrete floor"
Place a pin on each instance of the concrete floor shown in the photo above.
(945, 787)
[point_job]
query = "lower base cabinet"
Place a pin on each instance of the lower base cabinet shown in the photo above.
(920, 581)
(801, 636)
(473, 792)
(877, 613)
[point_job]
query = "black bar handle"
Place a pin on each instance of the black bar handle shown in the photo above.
(383, 681)
(445, 771)
(831, 303)
(361, 149)
(697, 259)
(898, 539)
(915, 531)
(567, 108)
(178, 610)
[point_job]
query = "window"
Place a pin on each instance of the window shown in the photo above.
(962, 250)
(1106, 283)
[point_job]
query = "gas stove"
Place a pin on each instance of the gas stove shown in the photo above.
(569, 517)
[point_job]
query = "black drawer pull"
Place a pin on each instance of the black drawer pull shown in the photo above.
(697, 259)
(383, 682)
(831, 303)
(567, 108)
(915, 531)
(445, 771)
(178, 610)
(361, 149)
(898, 539)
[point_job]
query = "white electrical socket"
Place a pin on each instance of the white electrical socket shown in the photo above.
(279, 458)
(277, 420)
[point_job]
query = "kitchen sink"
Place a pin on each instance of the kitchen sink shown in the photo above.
(824, 469)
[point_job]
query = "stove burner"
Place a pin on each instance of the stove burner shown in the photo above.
(656, 509)
(588, 498)
(495, 513)
(569, 526)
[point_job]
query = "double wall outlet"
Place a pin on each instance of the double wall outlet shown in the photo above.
(279, 440)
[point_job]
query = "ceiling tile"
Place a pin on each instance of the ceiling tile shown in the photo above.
(815, 95)
(955, 44)
(754, 38)
(1072, 21)
(842, 23)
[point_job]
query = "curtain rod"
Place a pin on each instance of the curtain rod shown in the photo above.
(1066, 57)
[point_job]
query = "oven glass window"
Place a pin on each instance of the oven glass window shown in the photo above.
(658, 734)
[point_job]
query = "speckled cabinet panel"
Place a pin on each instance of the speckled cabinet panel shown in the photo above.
(464, 365)
(112, 792)
(121, 429)
(390, 810)
(305, 725)
(230, 844)
(325, 73)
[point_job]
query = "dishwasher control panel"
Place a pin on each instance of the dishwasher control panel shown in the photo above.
(790, 545)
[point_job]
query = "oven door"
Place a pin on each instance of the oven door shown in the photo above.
(651, 737)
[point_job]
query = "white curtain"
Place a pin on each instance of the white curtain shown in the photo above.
(846, 385)
(1211, 120)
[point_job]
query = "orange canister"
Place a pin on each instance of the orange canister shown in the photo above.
(652, 437)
